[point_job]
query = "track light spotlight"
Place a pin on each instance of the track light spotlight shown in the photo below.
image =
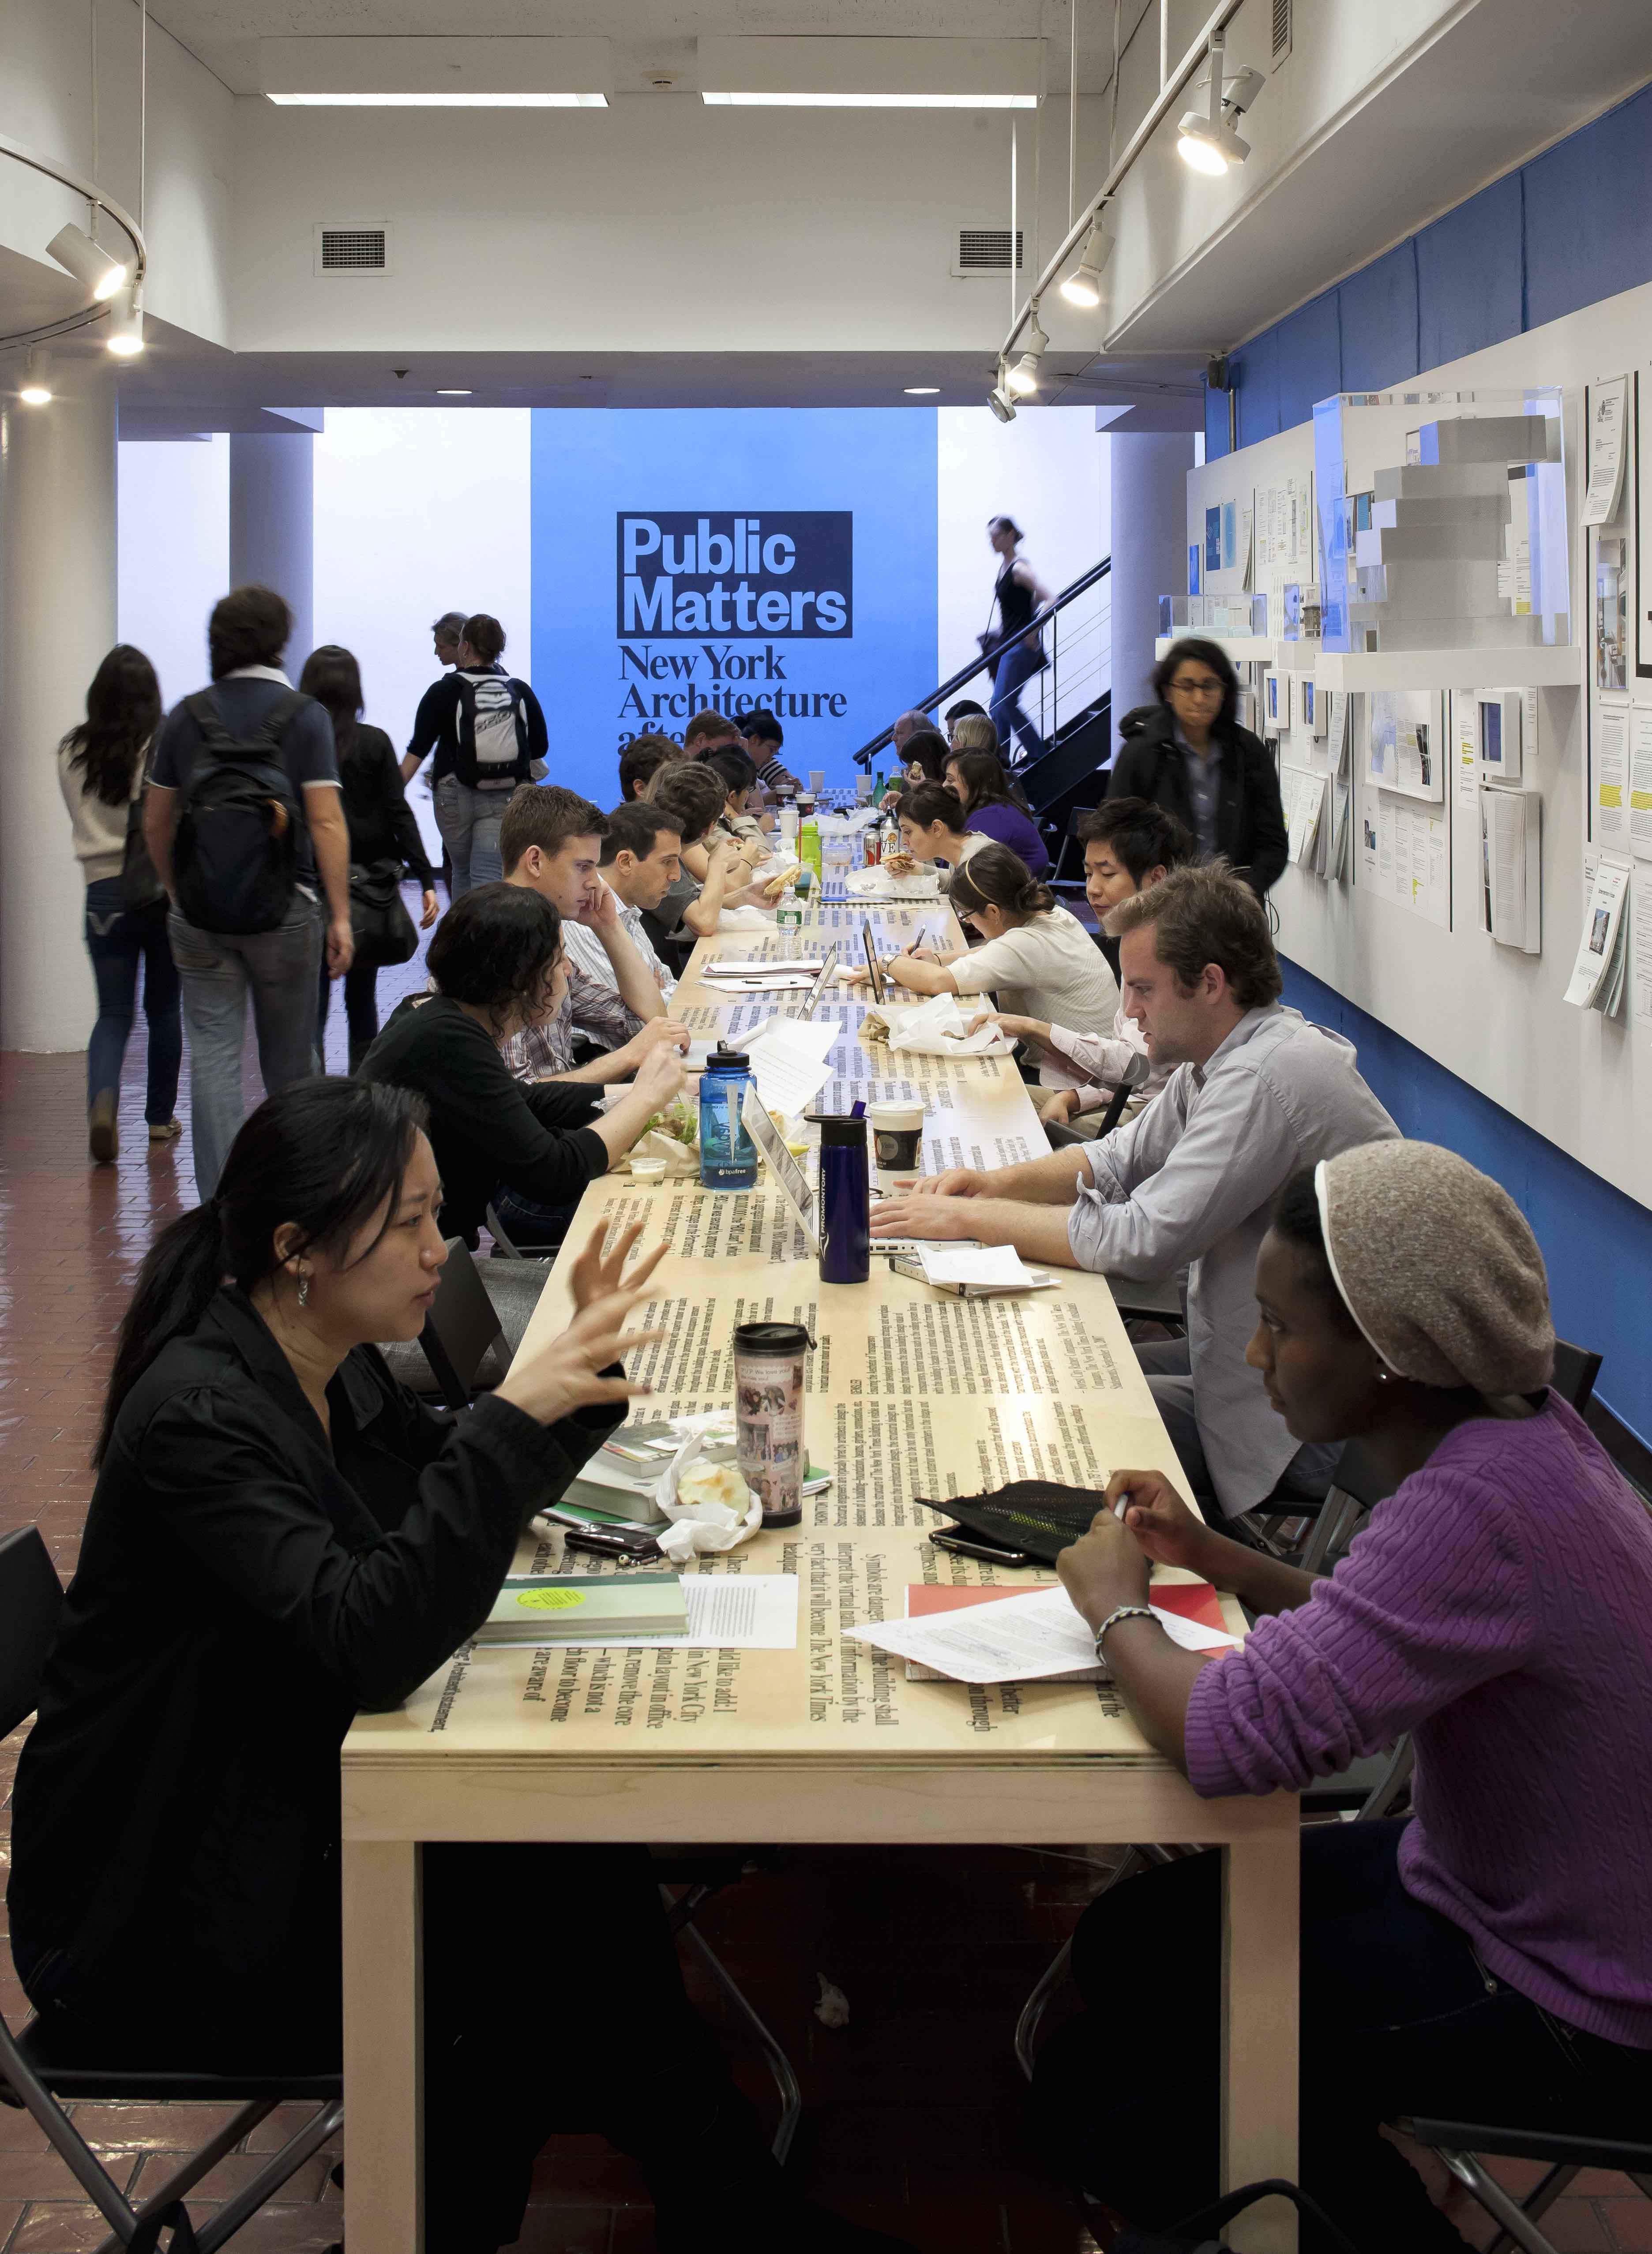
(1084, 286)
(36, 387)
(1206, 139)
(1000, 401)
(125, 339)
(75, 251)
(1023, 378)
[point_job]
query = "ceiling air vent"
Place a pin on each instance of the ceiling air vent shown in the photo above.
(986, 250)
(1281, 32)
(352, 250)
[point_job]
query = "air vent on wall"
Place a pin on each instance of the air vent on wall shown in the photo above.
(1281, 32)
(986, 250)
(352, 250)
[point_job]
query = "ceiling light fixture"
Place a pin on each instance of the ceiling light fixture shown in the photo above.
(77, 254)
(1000, 401)
(1023, 378)
(921, 390)
(443, 101)
(446, 391)
(1084, 286)
(36, 389)
(125, 339)
(771, 101)
(1206, 140)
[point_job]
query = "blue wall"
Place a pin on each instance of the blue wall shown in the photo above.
(1598, 1243)
(872, 473)
(1571, 228)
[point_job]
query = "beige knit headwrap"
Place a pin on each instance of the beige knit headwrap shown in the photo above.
(1437, 1267)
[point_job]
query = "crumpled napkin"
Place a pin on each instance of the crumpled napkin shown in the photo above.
(745, 918)
(879, 884)
(700, 1529)
(936, 1028)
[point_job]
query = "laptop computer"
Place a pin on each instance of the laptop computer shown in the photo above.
(811, 1001)
(874, 968)
(793, 1183)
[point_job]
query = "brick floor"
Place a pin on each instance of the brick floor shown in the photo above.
(914, 2120)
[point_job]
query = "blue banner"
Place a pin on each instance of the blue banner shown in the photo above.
(730, 557)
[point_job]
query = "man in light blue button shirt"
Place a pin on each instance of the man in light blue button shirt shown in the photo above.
(1258, 1093)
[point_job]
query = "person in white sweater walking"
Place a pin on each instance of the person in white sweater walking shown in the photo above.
(101, 769)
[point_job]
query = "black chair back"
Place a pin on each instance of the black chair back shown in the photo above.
(461, 1326)
(1576, 1370)
(31, 1601)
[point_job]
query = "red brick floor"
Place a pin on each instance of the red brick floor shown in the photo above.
(914, 2119)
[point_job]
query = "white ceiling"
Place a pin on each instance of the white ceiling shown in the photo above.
(647, 35)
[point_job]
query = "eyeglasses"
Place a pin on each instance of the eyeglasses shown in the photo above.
(1207, 686)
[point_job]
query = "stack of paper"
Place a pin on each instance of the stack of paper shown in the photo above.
(1511, 867)
(1303, 791)
(545, 1608)
(1597, 976)
(980, 1271)
(1037, 1638)
(789, 1061)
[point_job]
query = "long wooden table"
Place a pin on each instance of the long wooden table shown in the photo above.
(911, 1395)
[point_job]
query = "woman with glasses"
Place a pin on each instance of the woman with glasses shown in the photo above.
(1188, 754)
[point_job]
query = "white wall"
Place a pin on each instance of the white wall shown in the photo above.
(419, 510)
(1050, 470)
(1493, 1016)
(174, 553)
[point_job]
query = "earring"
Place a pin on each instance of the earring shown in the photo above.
(304, 1287)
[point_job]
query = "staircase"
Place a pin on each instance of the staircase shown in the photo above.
(1070, 702)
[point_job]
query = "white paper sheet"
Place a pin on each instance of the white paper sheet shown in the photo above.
(1608, 407)
(1640, 945)
(1038, 1637)
(727, 1611)
(1598, 958)
(789, 1061)
(1641, 782)
(990, 1267)
(1610, 825)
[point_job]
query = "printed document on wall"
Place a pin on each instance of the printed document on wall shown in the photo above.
(1405, 854)
(1597, 974)
(1466, 738)
(1640, 945)
(1609, 823)
(1641, 782)
(1608, 412)
(1511, 867)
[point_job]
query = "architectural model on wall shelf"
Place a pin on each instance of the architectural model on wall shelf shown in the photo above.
(1442, 521)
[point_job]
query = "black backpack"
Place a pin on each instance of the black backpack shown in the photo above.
(491, 748)
(235, 852)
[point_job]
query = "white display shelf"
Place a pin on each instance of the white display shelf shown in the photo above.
(1548, 666)
(1243, 649)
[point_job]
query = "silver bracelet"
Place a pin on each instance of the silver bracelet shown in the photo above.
(1119, 1613)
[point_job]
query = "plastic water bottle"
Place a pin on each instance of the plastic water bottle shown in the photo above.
(788, 923)
(728, 1156)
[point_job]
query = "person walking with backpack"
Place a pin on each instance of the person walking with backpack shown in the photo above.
(101, 769)
(488, 732)
(243, 822)
(385, 845)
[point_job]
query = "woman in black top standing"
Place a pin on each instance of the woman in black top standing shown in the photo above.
(378, 818)
(281, 1535)
(1188, 754)
(1016, 593)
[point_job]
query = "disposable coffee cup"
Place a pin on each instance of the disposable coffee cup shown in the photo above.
(897, 1142)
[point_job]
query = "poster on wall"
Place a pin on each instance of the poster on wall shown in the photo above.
(1405, 854)
(1610, 614)
(731, 559)
(1404, 745)
(1640, 783)
(1642, 530)
(1608, 809)
(1607, 414)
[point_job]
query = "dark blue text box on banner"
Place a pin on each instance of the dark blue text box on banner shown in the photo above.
(738, 557)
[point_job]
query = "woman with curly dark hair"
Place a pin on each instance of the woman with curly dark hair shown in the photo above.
(496, 963)
(100, 769)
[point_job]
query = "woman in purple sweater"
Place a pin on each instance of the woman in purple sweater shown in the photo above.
(1491, 1958)
(978, 780)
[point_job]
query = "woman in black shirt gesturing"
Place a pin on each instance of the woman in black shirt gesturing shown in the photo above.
(280, 1535)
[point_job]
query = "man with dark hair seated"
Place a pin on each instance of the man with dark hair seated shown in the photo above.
(642, 760)
(641, 859)
(763, 739)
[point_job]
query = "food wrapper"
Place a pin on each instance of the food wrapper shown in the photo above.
(743, 919)
(880, 884)
(682, 1160)
(937, 1028)
(702, 1528)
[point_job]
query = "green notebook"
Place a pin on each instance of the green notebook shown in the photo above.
(542, 1608)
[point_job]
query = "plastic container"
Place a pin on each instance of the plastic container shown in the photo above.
(837, 847)
(769, 1403)
(789, 818)
(809, 849)
(728, 1156)
(845, 1202)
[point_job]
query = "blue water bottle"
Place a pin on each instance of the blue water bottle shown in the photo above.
(845, 1202)
(728, 1156)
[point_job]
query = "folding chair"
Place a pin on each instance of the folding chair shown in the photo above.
(461, 1327)
(701, 1877)
(35, 2074)
(1459, 2144)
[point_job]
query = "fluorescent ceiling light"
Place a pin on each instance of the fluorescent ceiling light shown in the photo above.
(449, 391)
(921, 390)
(74, 249)
(872, 101)
(439, 100)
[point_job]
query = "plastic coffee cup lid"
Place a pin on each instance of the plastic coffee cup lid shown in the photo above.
(896, 1116)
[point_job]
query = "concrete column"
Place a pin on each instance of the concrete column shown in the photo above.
(272, 527)
(1150, 551)
(58, 578)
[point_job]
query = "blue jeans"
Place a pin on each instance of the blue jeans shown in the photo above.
(469, 822)
(116, 943)
(1017, 664)
(280, 968)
